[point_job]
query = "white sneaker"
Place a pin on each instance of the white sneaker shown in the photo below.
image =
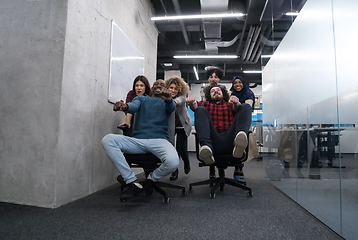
(240, 144)
(206, 155)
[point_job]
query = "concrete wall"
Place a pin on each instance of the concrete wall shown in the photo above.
(54, 89)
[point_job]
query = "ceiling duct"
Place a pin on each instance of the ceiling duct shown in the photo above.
(212, 27)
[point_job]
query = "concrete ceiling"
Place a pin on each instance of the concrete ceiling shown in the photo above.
(257, 33)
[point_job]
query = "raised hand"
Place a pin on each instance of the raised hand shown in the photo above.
(120, 106)
(166, 95)
(190, 99)
(233, 99)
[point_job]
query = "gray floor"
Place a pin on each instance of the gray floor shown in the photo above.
(332, 200)
(269, 214)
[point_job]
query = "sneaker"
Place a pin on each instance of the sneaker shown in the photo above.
(174, 175)
(240, 144)
(206, 155)
(132, 191)
(238, 176)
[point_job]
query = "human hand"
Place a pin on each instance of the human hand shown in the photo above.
(190, 99)
(124, 125)
(166, 95)
(120, 106)
(234, 100)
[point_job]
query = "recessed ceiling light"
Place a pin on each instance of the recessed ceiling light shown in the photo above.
(252, 71)
(196, 73)
(226, 15)
(168, 64)
(291, 13)
(206, 56)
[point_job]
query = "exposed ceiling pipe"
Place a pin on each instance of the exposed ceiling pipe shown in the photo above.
(229, 43)
(181, 22)
(165, 10)
(254, 52)
(247, 43)
(253, 42)
(241, 38)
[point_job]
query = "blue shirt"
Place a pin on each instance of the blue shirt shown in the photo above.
(151, 118)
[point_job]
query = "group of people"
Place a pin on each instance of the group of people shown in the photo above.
(222, 123)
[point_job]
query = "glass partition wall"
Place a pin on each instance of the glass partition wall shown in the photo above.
(310, 93)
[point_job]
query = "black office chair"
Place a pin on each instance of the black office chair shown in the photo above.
(149, 163)
(222, 161)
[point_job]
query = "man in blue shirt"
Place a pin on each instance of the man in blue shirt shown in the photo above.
(149, 136)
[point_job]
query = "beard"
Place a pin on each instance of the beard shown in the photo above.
(217, 98)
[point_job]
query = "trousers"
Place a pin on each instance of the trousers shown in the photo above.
(221, 142)
(115, 145)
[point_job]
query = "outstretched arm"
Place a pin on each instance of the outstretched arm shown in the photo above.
(235, 102)
(120, 106)
(193, 104)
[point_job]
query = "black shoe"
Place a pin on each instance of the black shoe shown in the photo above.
(131, 192)
(149, 186)
(174, 175)
(186, 166)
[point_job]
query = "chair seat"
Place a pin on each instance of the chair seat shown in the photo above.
(222, 161)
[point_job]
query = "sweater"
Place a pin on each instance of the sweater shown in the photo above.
(151, 119)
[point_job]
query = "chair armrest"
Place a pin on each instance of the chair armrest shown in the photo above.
(124, 128)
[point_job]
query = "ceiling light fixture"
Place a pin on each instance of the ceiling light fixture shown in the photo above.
(168, 64)
(291, 13)
(252, 71)
(196, 73)
(206, 56)
(266, 56)
(226, 15)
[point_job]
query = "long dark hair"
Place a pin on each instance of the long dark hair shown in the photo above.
(146, 83)
(223, 89)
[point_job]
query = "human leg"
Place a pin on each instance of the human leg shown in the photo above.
(182, 148)
(115, 145)
(206, 133)
(167, 154)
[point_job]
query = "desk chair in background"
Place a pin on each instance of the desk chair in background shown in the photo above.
(222, 161)
(148, 162)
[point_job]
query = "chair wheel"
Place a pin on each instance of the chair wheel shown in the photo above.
(190, 189)
(183, 192)
(249, 193)
(166, 200)
(212, 195)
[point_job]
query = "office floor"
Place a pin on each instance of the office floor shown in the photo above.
(269, 214)
(331, 198)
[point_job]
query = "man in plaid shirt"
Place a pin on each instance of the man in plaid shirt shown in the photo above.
(219, 126)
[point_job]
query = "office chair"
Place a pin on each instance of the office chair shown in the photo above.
(149, 162)
(222, 161)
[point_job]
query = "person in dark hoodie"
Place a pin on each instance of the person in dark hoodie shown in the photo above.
(245, 95)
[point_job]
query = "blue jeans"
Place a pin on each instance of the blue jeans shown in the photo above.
(115, 145)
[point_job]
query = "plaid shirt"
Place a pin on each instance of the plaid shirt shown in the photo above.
(221, 114)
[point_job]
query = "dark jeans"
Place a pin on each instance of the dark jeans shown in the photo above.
(221, 142)
(182, 144)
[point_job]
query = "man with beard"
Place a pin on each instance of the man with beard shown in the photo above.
(149, 136)
(220, 128)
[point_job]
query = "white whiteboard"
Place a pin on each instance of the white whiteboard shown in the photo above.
(126, 63)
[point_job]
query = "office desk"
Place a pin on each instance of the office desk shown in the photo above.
(295, 142)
